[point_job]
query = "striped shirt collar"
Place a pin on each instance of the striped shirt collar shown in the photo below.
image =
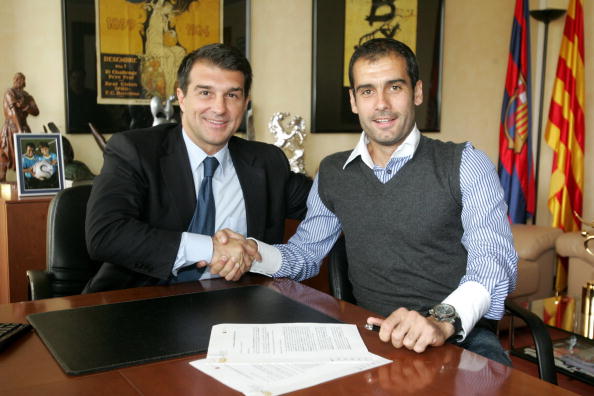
(406, 149)
(197, 155)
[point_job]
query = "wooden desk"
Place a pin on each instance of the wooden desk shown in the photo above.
(26, 367)
(23, 223)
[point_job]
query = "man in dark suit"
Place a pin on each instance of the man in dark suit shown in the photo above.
(144, 202)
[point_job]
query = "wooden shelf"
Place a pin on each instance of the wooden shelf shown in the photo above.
(22, 241)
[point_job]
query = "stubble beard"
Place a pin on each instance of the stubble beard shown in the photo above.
(388, 141)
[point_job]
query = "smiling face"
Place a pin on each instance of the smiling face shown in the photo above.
(213, 105)
(384, 99)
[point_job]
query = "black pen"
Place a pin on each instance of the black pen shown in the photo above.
(372, 327)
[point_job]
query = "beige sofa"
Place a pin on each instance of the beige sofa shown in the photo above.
(581, 263)
(536, 267)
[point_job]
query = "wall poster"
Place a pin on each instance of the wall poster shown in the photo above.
(417, 23)
(365, 20)
(140, 44)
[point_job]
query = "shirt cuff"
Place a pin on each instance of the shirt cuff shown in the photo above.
(271, 259)
(192, 249)
(471, 301)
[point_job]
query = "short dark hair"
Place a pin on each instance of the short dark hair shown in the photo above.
(380, 47)
(43, 144)
(221, 55)
(30, 145)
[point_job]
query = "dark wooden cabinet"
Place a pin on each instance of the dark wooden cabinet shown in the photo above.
(22, 241)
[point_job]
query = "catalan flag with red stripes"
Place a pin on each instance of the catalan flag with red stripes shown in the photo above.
(565, 131)
(516, 167)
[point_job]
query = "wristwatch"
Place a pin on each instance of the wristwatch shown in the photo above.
(447, 313)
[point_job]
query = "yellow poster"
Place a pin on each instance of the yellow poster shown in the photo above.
(140, 44)
(367, 19)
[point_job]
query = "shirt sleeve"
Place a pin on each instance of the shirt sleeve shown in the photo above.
(300, 258)
(271, 259)
(192, 249)
(491, 269)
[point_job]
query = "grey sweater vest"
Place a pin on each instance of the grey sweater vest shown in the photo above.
(403, 238)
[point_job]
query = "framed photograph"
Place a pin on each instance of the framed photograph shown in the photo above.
(39, 163)
(419, 24)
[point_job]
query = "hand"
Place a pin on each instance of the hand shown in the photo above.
(225, 235)
(404, 328)
(232, 256)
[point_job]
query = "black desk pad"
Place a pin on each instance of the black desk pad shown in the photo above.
(89, 339)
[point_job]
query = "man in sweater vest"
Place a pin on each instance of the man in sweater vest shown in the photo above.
(427, 238)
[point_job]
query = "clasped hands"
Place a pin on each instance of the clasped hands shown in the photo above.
(410, 329)
(232, 255)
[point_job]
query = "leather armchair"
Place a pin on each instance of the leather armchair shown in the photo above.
(581, 262)
(537, 257)
(69, 266)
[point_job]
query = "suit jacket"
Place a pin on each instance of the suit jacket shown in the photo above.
(144, 199)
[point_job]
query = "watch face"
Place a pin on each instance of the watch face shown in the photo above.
(444, 311)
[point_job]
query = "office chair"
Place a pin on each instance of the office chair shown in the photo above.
(69, 266)
(341, 288)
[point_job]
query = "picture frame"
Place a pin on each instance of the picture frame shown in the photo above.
(80, 68)
(331, 109)
(39, 163)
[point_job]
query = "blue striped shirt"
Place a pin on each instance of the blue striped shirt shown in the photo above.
(492, 259)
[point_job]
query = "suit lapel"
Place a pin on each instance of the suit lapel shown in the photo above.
(177, 176)
(252, 179)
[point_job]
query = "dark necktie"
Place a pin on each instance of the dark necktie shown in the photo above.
(203, 221)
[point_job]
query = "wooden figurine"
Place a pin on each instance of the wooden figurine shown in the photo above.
(18, 104)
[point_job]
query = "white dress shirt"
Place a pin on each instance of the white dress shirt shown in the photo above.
(229, 203)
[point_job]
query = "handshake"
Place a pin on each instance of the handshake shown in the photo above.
(232, 255)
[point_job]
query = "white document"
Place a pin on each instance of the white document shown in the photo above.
(268, 379)
(285, 342)
(271, 359)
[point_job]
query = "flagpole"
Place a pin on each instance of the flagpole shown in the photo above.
(545, 16)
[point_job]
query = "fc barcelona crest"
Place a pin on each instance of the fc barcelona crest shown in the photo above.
(516, 117)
